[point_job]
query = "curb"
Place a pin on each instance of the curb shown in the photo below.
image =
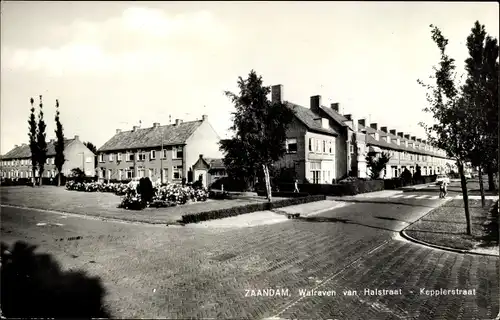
(409, 238)
(94, 217)
(403, 234)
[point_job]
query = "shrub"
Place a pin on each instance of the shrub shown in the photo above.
(230, 212)
(229, 184)
(145, 189)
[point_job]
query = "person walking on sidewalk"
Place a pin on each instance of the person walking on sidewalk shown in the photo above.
(296, 186)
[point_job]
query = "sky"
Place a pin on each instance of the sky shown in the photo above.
(113, 65)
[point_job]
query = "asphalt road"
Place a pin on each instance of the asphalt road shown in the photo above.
(182, 272)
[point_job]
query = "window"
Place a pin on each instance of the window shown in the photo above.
(164, 153)
(318, 145)
(330, 149)
(152, 156)
(291, 145)
(141, 156)
(130, 157)
(311, 141)
(140, 173)
(177, 172)
(177, 152)
(120, 174)
(101, 159)
(164, 175)
(316, 171)
(324, 146)
(351, 149)
(88, 159)
(130, 174)
(110, 172)
(119, 157)
(111, 157)
(150, 173)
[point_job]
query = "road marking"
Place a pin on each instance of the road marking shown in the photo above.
(422, 197)
(397, 196)
(293, 303)
(41, 224)
(434, 197)
(410, 196)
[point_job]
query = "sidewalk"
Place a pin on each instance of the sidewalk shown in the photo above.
(445, 228)
(269, 217)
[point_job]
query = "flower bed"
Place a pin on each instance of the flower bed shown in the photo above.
(163, 196)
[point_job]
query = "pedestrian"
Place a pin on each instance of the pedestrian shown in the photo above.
(296, 186)
(445, 189)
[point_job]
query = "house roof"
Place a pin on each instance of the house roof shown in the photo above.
(384, 144)
(152, 137)
(215, 163)
(23, 151)
(335, 116)
(311, 120)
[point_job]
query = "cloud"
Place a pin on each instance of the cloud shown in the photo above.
(140, 40)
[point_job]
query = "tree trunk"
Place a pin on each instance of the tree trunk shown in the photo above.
(491, 178)
(59, 179)
(41, 180)
(465, 197)
(268, 182)
(33, 179)
(481, 187)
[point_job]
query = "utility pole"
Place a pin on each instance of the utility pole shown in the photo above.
(161, 160)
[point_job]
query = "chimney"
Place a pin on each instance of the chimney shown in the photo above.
(16, 146)
(392, 132)
(374, 126)
(407, 136)
(348, 116)
(419, 140)
(335, 106)
(177, 122)
(424, 141)
(134, 128)
(204, 117)
(277, 93)
(362, 122)
(401, 134)
(315, 104)
(383, 129)
(77, 138)
(201, 156)
(156, 124)
(118, 130)
(414, 138)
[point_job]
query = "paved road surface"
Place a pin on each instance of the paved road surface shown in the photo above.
(181, 272)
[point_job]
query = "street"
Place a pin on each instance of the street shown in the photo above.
(353, 252)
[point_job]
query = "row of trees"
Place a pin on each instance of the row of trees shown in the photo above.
(466, 112)
(38, 142)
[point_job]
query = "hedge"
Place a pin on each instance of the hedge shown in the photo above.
(341, 189)
(395, 183)
(283, 194)
(235, 211)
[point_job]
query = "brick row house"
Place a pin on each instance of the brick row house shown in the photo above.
(163, 153)
(17, 162)
(323, 145)
(405, 151)
(311, 142)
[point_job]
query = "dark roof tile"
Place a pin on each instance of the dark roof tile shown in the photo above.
(23, 151)
(152, 137)
(310, 119)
